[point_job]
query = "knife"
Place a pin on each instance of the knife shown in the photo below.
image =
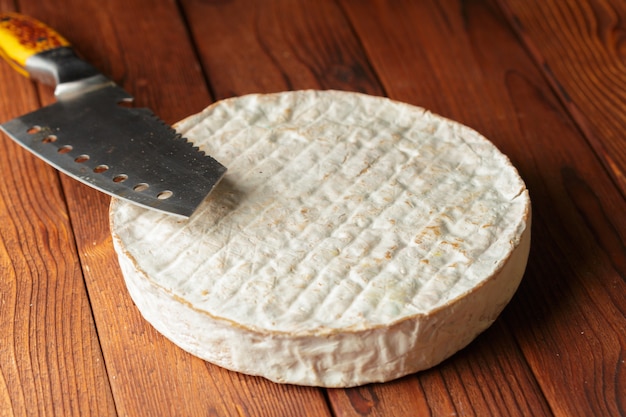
(88, 133)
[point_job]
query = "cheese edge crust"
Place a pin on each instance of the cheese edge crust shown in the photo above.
(339, 359)
(335, 357)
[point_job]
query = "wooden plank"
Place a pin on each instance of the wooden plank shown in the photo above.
(465, 62)
(579, 46)
(50, 357)
(150, 54)
(250, 47)
(402, 397)
(240, 55)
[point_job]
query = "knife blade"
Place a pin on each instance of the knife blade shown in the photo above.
(90, 135)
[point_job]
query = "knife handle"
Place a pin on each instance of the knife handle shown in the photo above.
(39, 52)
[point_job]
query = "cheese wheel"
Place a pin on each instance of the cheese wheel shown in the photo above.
(354, 239)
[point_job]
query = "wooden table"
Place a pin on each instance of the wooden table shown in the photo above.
(545, 80)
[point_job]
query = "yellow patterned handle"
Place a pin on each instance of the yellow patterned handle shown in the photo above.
(21, 37)
(39, 52)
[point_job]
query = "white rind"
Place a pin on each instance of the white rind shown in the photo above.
(354, 239)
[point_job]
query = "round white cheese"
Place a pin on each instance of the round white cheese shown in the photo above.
(354, 239)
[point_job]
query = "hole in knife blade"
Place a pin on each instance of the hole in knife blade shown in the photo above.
(164, 195)
(102, 168)
(65, 149)
(127, 102)
(82, 158)
(120, 178)
(33, 129)
(49, 139)
(142, 186)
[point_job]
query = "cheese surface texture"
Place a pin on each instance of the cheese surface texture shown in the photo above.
(354, 239)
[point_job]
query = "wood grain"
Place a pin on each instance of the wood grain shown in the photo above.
(580, 47)
(253, 47)
(50, 358)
